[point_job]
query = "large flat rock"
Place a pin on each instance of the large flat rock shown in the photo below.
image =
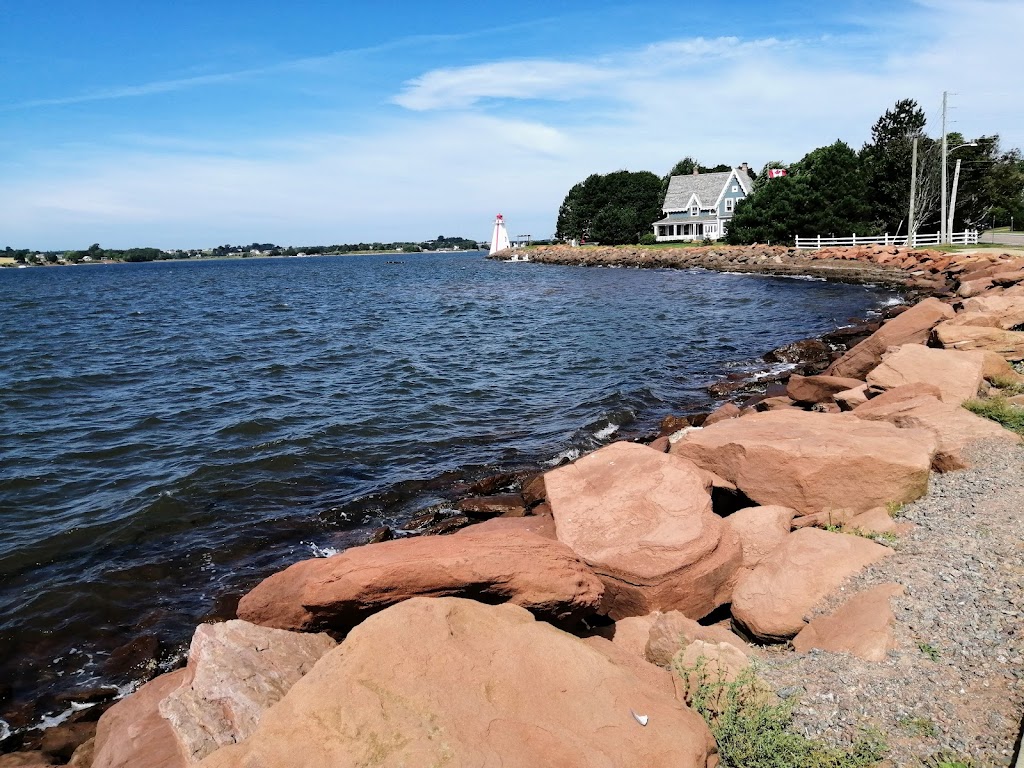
(453, 682)
(957, 375)
(1007, 344)
(911, 327)
(954, 428)
(814, 462)
(862, 626)
(336, 593)
(771, 601)
(643, 521)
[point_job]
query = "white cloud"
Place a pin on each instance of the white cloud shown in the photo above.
(464, 86)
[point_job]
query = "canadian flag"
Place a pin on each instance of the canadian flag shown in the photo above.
(774, 173)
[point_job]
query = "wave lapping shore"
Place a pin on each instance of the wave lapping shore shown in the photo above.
(594, 618)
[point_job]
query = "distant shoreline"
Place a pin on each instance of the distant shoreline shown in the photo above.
(11, 264)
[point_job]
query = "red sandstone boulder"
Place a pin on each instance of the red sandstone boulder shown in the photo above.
(812, 462)
(338, 592)
(132, 733)
(505, 505)
(1007, 344)
(760, 530)
(541, 525)
(953, 427)
(772, 600)
(818, 389)
(849, 399)
(671, 632)
(235, 672)
(458, 683)
(1005, 306)
(862, 626)
(910, 327)
(643, 521)
(958, 375)
(30, 759)
(876, 520)
(998, 370)
(723, 412)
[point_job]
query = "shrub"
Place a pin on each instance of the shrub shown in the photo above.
(754, 730)
(648, 238)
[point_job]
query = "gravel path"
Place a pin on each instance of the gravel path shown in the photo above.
(956, 680)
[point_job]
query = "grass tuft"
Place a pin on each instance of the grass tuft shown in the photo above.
(753, 728)
(894, 508)
(999, 410)
(919, 726)
(948, 760)
(1007, 386)
(929, 650)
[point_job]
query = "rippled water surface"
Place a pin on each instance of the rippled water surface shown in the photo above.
(170, 433)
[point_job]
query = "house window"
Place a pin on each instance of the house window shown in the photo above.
(729, 204)
(735, 188)
(694, 210)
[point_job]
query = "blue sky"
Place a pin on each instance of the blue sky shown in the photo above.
(193, 124)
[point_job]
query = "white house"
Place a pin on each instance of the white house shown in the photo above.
(700, 205)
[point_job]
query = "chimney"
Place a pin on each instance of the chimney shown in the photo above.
(695, 171)
(744, 167)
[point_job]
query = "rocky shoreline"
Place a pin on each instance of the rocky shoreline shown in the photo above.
(556, 631)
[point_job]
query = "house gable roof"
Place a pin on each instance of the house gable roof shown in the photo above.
(707, 187)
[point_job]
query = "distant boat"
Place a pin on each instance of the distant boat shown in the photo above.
(499, 238)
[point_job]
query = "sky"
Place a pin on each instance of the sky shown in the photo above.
(194, 124)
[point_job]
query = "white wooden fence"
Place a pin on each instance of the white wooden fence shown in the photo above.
(969, 237)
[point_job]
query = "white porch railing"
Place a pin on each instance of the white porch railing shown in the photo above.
(968, 237)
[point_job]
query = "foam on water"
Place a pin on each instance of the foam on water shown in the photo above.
(605, 432)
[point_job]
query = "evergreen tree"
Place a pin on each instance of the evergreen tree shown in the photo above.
(887, 163)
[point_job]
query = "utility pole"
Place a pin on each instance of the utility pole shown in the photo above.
(942, 236)
(913, 192)
(952, 203)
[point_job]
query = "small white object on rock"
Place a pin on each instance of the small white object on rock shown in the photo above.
(642, 719)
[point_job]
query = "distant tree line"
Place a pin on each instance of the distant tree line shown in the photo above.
(832, 190)
(96, 253)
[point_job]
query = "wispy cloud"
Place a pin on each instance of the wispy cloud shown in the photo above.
(297, 65)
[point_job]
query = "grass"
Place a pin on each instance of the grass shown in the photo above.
(1008, 386)
(919, 726)
(754, 730)
(948, 760)
(929, 650)
(1000, 411)
(882, 537)
(894, 508)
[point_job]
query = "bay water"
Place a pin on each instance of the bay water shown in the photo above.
(173, 432)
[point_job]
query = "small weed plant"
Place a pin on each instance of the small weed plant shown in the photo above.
(929, 650)
(754, 729)
(894, 508)
(919, 726)
(999, 410)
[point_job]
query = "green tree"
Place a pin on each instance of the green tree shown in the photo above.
(614, 208)
(823, 194)
(887, 161)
